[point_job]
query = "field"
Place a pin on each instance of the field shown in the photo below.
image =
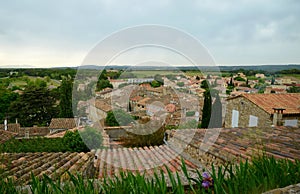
(152, 73)
(294, 77)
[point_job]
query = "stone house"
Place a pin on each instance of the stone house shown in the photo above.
(98, 109)
(263, 110)
(62, 124)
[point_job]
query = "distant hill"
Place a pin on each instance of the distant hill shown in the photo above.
(267, 68)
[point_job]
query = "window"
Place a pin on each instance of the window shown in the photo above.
(235, 118)
(292, 123)
(253, 120)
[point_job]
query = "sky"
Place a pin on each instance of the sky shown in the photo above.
(58, 33)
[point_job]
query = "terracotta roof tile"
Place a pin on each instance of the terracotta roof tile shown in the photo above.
(290, 102)
(12, 127)
(63, 123)
(6, 135)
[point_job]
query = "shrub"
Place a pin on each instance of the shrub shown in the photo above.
(73, 142)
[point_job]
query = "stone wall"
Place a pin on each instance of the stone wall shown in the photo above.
(246, 108)
(34, 131)
(289, 189)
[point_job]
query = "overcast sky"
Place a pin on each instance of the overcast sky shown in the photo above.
(61, 33)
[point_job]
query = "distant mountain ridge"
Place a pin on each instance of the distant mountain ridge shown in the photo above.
(268, 68)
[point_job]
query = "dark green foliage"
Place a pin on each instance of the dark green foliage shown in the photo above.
(65, 104)
(118, 118)
(36, 106)
(293, 89)
(180, 84)
(290, 71)
(92, 138)
(190, 113)
(206, 112)
(103, 83)
(73, 141)
(34, 145)
(205, 84)
(231, 82)
(216, 114)
(155, 84)
(273, 80)
(53, 73)
(6, 98)
(239, 79)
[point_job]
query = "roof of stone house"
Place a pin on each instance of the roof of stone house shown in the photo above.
(170, 107)
(19, 166)
(103, 105)
(144, 101)
(243, 143)
(12, 127)
(6, 135)
(136, 98)
(290, 102)
(63, 123)
(158, 89)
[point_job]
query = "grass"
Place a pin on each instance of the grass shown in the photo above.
(262, 174)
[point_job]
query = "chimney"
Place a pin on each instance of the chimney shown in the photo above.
(5, 124)
(277, 116)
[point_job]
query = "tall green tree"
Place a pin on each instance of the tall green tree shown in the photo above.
(103, 83)
(206, 112)
(216, 113)
(65, 104)
(36, 106)
(6, 98)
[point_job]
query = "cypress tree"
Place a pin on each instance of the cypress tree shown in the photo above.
(216, 119)
(206, 112)
(65, 104)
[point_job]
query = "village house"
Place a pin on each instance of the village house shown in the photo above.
(105, 93)
(277, 89)
(12, 127)
(263, 110)
(260, 75)
(62, 124)
(98, 109)
(117, 82)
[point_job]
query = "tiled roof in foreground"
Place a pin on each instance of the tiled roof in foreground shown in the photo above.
(6, 135)
(143, 160)
(19, 166)
(109, 162)
(243, 143)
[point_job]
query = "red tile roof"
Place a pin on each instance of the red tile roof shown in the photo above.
(143, 160)
(241, 143)
(63, 123)
(290, 102)
(12, 127)
(6, 135)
